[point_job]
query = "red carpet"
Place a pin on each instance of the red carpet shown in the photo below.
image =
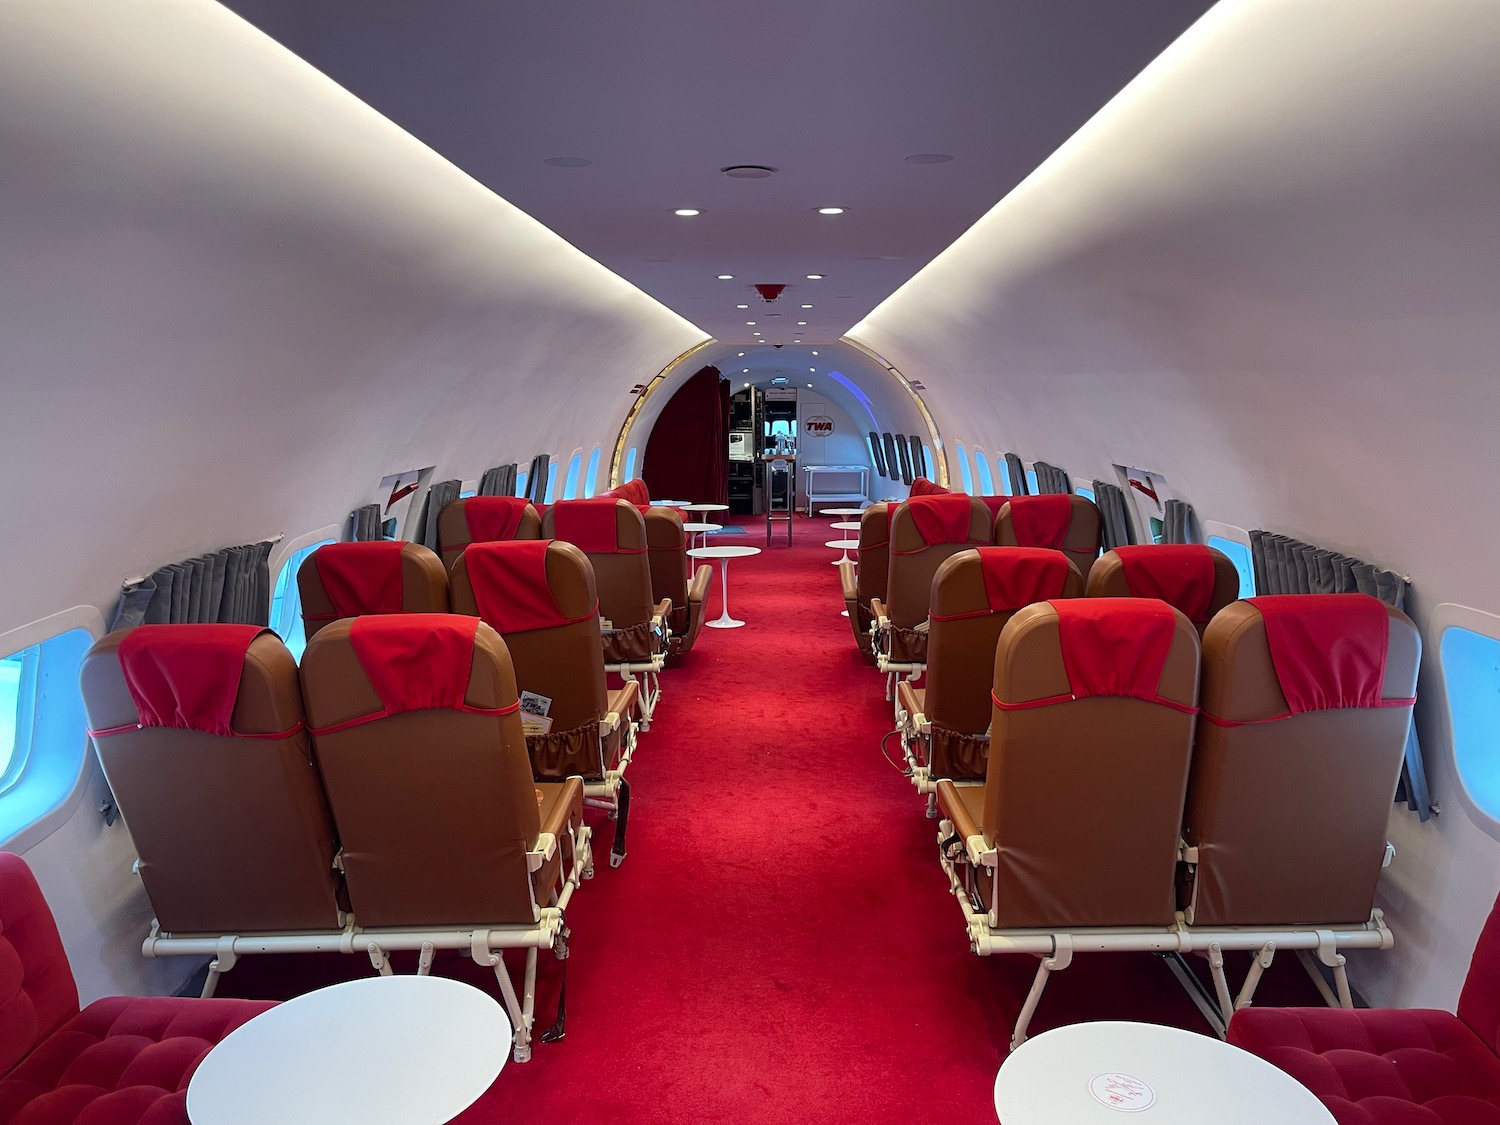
(780, 945)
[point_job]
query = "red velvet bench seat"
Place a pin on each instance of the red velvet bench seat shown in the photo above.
(121, 1061)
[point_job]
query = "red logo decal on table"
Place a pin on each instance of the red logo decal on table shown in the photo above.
(1124, 1092)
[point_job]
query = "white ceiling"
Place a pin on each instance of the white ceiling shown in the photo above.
(661, 94)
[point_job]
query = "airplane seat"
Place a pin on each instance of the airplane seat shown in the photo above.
(352, 579)
(1384, 1066)
(633, 490)
(974, 594)
(200, 732)
(1063, 522)
(924, 532)
(924, 487)
(485, 519)
(865, 582)
(539, 596)
(1076, 827)
(1196, 579)
(612, 533)
(121, 1059)
(1307, 701)
(416, 727)
(666, 548)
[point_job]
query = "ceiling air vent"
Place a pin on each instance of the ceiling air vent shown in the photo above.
(748, 171)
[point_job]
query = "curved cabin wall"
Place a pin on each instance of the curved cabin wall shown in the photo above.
(1268, 270)
(232, 297)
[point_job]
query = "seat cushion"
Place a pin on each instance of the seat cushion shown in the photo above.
(1379, 1066)
(121, 1061)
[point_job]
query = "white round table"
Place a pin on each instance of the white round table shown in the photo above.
(724, 554)
(400, 1050)
(669, 503)
(845, 546)
(701, 529)
(1109, 1073)
(705, 508)
(842, 512)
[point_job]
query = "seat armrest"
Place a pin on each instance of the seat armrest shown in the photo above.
(561, 804)
(848, 581)
(906, 696)
(877, 611)
(981, 854)
(661, 611)
(698, 589)
(622, 706)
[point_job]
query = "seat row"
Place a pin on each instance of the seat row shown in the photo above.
(379, 798)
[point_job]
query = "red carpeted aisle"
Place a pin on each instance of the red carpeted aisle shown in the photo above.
(779, 945)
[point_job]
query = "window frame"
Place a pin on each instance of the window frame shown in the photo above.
(1002, 474)
(982, 471)
(631, 456)
(1444, 617)
(965, 470)
(1213, 529)
(573, 478)
(89, 620)
(591, 474)
(285, 552)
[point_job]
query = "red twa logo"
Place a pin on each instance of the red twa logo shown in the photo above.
(819, 425)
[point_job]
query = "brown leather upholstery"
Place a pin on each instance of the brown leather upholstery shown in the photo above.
(667, 547)
(560, 662)
(233, 834)
(913, 562)
(965, 629)
(1081, 543)
(1083, 798)
(1108, 579)
(455, 532)
(424, 586)
(1289, 817)
(436, 808)
(623, 579)
(872, 574)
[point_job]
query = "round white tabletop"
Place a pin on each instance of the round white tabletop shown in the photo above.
(705, 507)
(844, 546)
(724, 554)
(407, 1050)
(1110, 1072)
(845, 525)
(701, 529)
(842, 511)
(669, 503)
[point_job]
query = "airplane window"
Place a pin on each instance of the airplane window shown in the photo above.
(469, 493)
(1002, 474)
(286, 601)
(1031, 481)
(986, 481)
(521, 475)
(1239, 554)
(570, 488)
(42, 744)
(551, 484)
(964, 470)
(591, 479)
(1471, 681)
(1086, 493)
(630, 464)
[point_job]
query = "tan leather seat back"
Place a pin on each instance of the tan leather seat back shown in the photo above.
(484, 519)
(874, 556)
(218, 786)
(1067, 523)
(666, 549)
(1300, 745)
(1090, 740)
(1195, 579)
(416, 731)
(974, 594)
(612, 533)
(925, 531)
(539, 596)
(351, 579)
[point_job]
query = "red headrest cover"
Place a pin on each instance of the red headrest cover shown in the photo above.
(1329, 650)
(588, 524)
(361, 577)
(1180, 574)
(994, 504)
(1014, 577)
(942, 518)
(493, 518)
(416, 661)
(635, 491)
(1041, 521)
(510, 586)
(924, 487)
(186, 677)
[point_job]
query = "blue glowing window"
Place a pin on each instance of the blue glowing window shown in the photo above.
(964, 470)
(630, 463)
(286, 600)
(986, 481)
(1002, 473)
(469, 493)
(1471, 679)
(1239, 554)
(42, 725)
(551, 484)
(521, 476)
(591, 480)
(570, 488)
(1031, 482)
(1086, 493)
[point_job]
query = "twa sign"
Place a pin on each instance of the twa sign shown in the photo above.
(819, 425)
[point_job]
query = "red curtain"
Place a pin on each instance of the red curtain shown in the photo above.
(687, 455)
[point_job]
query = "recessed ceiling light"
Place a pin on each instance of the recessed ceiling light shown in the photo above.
(830, 210)
(814, 277)
(755, 333)
(748, 171)
(742, 306)
(726, 277)
(741, 353)
(812, 369)
(687, 212)
(809, 386)
(802, 322)
(929, 158)
(807, 306)
(751, 323)
(567, 161)
(815, 353)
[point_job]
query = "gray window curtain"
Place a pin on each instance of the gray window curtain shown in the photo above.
(892, 462)
(364, 524)
(499, 481)
(1017, 473)
(1284, 565)
(904, 456)
(1179, 525)
(918, 456)
(877, 454)
(1049, 478)
(536, 480)
(1115, 520)
(231, 586)
(439, 496)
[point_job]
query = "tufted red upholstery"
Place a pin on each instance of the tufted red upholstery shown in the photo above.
(1394, 1066)
(121, 1061)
